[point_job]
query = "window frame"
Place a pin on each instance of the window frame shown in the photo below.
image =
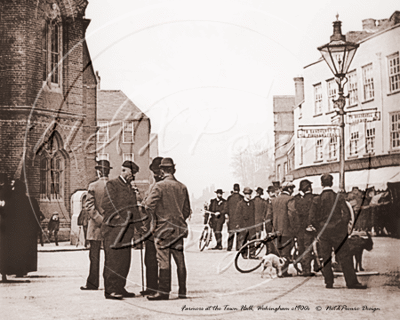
(332, 93)
(333, 148)
(319, 149)
(318, 105)
(101, 125)
(393, 124)
(370, 136)
(394, 56)
(354, 140)
(128, 157)
(52, 54)
(124, 131)
(102, 156)
(352, 88)
(368, 82)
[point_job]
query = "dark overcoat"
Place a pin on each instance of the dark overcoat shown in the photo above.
(169, 204)
(260, 212)
(232, 202)
(217, 205)
(245, 212)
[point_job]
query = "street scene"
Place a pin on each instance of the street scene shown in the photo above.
(199, 159)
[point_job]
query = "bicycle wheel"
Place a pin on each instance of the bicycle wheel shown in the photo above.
(249, 257)
(204, 238)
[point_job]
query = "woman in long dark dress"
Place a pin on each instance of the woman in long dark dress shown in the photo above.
(5, 190)
(21, 228)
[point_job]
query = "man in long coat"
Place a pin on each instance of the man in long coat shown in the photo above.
(233, 220)
(305, 236)
(219, 207)
(94, 198)
(120, 217)
(260, 211)
(150, 255)
(245, 212)
(169, 204)
(330, 216)
(282, 215)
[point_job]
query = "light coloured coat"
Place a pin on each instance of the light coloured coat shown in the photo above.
(93, 202)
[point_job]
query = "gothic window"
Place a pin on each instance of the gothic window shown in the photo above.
(52, 167)
(51, 48)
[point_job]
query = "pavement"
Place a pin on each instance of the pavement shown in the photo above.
(216, 289)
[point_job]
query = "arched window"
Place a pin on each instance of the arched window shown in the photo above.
(52, 169)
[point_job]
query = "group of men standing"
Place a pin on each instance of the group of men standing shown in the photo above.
(116, 217)
(305, 217)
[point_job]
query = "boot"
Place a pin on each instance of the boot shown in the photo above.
(182, 286)
(164, 286)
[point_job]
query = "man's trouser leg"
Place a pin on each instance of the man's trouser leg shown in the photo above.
(231, 237)
(325, 246)
(219, 223)
(285, 245)
(94, 269)
(345, 259)
(150, 260)
(164, 263)
(304, 242)
(116, 264)
(179, 258)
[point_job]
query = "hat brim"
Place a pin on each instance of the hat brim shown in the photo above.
(102, 167)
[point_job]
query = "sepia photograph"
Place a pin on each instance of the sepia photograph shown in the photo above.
(180, 159)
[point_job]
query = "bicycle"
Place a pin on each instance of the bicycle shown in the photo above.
(206, 234)
(249, 257)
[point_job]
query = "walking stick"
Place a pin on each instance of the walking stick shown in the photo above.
(141, 265)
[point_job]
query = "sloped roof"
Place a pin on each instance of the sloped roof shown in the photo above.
(115, 105)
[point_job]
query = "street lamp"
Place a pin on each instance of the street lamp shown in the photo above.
(338, 54)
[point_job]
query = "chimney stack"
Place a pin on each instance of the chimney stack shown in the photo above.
(299, 90)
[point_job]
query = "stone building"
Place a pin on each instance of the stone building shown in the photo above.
(47, 100)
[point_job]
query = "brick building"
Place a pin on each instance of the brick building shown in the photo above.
(47, 100)
(124, 134)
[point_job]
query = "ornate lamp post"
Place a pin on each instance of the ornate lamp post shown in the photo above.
(338, 54)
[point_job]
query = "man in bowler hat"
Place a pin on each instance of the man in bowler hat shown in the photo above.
(94, 198)
(234, 219)
(120, 214)
(260, 212)
(150, 255)
(219, 207)
(169, 205)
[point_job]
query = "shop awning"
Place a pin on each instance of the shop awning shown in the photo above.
(362, 179)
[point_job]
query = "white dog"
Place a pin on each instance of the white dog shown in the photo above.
(270, 262)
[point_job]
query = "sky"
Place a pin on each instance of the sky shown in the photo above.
(205, 72)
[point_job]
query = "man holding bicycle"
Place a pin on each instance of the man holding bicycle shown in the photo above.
(219, 207)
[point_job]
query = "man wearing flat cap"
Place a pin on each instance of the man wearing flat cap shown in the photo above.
(245, 210)
(330, 215)
(282, 217)
(260, 211)
(219, 207)
(168, 203)
(92, 204)
(121, 215)
(305, 236)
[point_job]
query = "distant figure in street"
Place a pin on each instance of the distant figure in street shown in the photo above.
(92, 205)
(219, 207)
(53, 227)
(150, 255)
(234, 220)
(260, 212)
(330, 216)
(83, 220)
(169, 204)
(282, 216)
(245, 211)
(19, 228)
(121, 216)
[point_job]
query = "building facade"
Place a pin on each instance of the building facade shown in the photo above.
(372, 130)
(124, 134)
(284, 136)
(47, 100)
